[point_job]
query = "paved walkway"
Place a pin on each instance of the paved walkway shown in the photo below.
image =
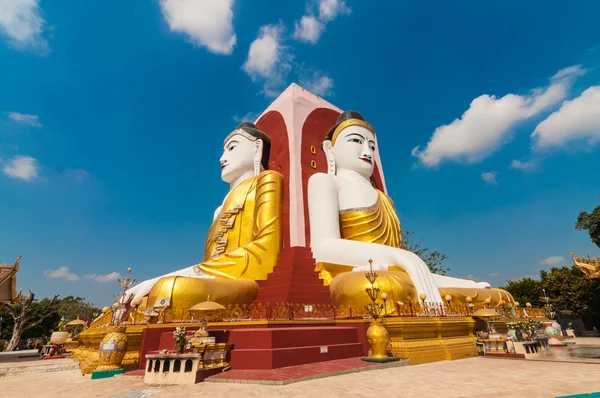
(466, 378)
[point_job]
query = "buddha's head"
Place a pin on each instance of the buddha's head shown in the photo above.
(245, 149)
(350, 145)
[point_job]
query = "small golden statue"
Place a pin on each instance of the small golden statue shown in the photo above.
(590, 266)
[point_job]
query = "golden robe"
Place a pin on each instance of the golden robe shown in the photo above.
(242, 246)
(245, 239)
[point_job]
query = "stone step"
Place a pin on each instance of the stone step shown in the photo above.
(39, 368)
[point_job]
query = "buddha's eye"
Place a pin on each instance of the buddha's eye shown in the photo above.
(372, 147)
(231, 148)
(357, 140)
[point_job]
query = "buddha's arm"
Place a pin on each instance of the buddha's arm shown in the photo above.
(256, 259)
(326, 242)
(446, 281)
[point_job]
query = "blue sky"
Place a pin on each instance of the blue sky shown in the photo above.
(112, 116)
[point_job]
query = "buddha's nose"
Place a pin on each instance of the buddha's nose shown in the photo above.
(367, 152)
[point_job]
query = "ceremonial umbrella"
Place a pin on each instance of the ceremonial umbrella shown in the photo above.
(207, 306)
(486, 314)
(77, 322)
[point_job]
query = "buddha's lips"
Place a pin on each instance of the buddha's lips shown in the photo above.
(223, 166)
(366, 160)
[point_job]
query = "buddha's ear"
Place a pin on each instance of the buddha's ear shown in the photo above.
(258, 152)
(328, 149)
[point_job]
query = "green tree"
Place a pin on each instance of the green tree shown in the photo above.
(432, 258)
(569, 291)
(590, 222)
(526, 290)
(71, 308)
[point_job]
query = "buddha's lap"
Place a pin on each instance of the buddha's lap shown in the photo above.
(348, 290)
(185, 292)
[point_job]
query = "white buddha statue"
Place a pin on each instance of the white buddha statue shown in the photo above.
(244, 241)
(352, 222)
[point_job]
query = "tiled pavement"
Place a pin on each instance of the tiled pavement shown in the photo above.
(468, 378)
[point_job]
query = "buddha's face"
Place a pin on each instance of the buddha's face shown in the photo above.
(238, 157)
(354, 149)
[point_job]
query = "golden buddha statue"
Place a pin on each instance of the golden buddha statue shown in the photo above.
(351, 221)
(244, 241)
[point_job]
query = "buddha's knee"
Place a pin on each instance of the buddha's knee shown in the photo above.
(184, 292)
(347, 290)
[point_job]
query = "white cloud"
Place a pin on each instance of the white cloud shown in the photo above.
(318, 83)
(61, 272)
(487, 124)
(490, 177)
(77, 174)
(524, 166)
(308, 29)
(268, 59)
(22, 24)
(494, 274)
(21, 167)
(113, 276)
(23, 118)
(330, 9)
(264, 52)
(578, 119)
(207, 23)
(248, 117)
(553, 260)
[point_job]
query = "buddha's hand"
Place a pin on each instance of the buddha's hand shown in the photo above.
(139, 290)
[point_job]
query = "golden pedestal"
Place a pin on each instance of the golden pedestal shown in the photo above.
(430, 339)
(87, 353)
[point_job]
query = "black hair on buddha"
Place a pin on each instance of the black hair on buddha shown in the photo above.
(251, 129)
(342, 118)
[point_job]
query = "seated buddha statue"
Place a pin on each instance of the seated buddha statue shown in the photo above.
(351, 222)
(243, 243)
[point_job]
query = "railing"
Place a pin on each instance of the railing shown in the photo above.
(319, 312)
(102, 320)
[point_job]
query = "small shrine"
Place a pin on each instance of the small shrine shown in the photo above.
(8, 282)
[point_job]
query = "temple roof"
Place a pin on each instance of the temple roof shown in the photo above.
(8, 281)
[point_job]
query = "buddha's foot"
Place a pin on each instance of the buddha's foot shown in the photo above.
(185, 292)
(478, 296)
(348, 294)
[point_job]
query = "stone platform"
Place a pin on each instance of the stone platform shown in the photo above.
(272, 348)
(36, 366)
(293, 374)
(271, 344)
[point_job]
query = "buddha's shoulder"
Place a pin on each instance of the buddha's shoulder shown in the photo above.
(320, 181)
(270, 176)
